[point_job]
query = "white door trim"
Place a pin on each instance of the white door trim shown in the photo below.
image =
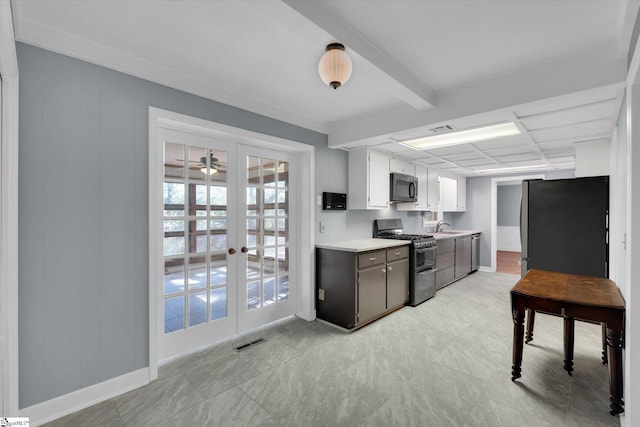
(159, 118)
(632, 339)
(494, 210)
(9, 368)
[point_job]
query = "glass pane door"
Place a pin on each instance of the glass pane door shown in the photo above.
(227, 233)
(198, 216)
(266, 249)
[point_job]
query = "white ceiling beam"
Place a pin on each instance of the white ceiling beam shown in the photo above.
(597, 67)
(407, 86)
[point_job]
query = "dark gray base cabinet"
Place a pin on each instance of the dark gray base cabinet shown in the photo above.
(445, 262)
(453, 260)
(463, 256)
(372, 293)
(353, 288)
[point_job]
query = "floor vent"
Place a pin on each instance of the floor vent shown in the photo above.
(243, 347)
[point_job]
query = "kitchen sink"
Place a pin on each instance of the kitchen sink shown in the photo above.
(451, 232)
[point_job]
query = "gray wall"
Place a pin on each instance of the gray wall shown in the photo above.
(332, 176)
(477, 216)
(83, 280)
(508, 203)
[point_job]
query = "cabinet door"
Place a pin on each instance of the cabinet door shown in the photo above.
(444, 277)
(433, 190)
(397, 283)
(372, 293)
(463, 256)
(401, 166)
(378, 180)
(461, 194)
(448, 194)
(423, 188)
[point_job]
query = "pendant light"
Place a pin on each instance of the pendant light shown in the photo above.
(335, 66)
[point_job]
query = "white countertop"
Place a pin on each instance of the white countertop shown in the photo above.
(362, 245)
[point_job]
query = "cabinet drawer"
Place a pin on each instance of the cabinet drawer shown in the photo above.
(444, 277)
(445, 245)
(445, 260)
(371, 258)
(397, 253)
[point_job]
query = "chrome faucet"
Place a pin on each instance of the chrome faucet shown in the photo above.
(440, 224)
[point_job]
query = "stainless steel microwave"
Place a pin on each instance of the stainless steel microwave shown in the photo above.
(404, 188)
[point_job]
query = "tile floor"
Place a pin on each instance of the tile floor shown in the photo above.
(446, 362)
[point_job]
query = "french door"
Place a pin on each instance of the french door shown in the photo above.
(226, 240)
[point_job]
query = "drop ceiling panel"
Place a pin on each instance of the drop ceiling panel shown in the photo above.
(584, 113)
(447, 151)
(511, 150)
(510, 141)
(519, 157)
(596, 127)
(590, 141)
(477, 162)
(556, 145)
(470, 155)
(431, 161)
(394, 147)
(564, 102)
(565, 152)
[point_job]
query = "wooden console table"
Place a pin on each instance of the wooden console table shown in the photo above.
(572, 296)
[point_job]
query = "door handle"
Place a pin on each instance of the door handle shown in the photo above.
(232, 251)
(244, 250)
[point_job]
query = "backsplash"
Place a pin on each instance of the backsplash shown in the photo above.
(358, 224)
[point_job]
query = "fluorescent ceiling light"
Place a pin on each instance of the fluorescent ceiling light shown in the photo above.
(511, 169)
(463, 136)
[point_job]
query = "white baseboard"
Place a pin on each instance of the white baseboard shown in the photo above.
(75, 401)
(485, 269)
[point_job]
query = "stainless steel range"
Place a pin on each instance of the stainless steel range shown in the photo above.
(422, 258)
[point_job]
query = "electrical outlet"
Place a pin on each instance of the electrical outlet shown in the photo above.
(321, 294)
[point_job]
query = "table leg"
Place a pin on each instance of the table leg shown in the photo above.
(605, 360)
(614, 342)
(569, 326)
(518, 337)
(531, 318)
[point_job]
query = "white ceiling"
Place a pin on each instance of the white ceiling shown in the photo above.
(555, 68)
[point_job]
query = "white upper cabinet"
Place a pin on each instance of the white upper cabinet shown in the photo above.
(462, 193)
(368, 179)
(402, 166)
(433, 190)
(453, 193)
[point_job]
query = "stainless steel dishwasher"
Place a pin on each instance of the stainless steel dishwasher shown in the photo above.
(475, 251)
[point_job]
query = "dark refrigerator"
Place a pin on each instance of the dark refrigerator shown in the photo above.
(564, 225)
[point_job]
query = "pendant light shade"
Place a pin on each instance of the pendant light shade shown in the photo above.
(335, 66)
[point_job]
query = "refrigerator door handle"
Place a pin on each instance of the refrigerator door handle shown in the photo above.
(524, 200)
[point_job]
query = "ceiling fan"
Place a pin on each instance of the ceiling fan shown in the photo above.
(212, 162)
(215, 165)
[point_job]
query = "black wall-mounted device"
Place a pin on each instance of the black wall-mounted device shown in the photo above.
(334, 201)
